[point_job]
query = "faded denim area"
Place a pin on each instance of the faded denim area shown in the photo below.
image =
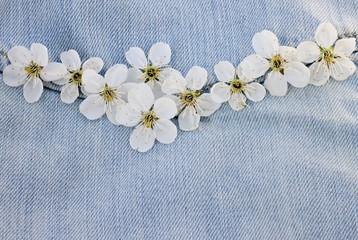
(286, 168)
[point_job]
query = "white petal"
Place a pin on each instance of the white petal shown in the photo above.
(53, 71)
(326, 35)
(116, 75)
(19, 56)
(288, 53)
(93, 107)
(206, 105)
(156, 87)
(276, 84)
(112, 110)
(125, 88)
(345, 47)
(167, 73)
(308, 52)
(319, 73)
(92, 81)
(188, 119)
(135, 75)
(159, 54)
(165, 131)
(94, 63)
(342, 68)
(127, 116)
(71, 59)
(142, 138)
(39, 53)
(141, 98)
(174, 84)
(33, 90)
(63, 80)
(237, 101)
(265, 43)
(14, 76)
(136, 57)
(196, 78)
(254, 66)
(69, 93)
(224, 71)
(255, 91)
(177, 101)
(165, 108)
(220, 92)
(297, 74)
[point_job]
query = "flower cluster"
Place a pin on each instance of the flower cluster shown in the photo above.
(151, 93)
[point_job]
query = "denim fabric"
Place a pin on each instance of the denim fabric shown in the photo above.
(286, 168)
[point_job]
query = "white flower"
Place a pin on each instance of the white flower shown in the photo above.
(281, 61)
(330, 57)
(235, 87)
(188, 94)
(73, 79)
(152, 71)
(105, 94)
(151, 118)
(29, 67)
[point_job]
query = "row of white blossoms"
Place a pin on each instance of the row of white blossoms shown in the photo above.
(149, 94)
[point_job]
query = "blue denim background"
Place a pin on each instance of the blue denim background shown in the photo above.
(286, 168)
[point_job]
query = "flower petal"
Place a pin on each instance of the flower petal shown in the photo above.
(136, 57)
(255, 91)
(308, 52)
(254, 66)
(159, 54)
(345, 47)
(326, 35)
(116, 75)
(141, 98)
(241, 75)
(165, 131)
(39, 53)
(127, 116)
(14, 76)
(265, 43)
(188, 119)
(53, 71)
(174, 84)
(142, 138)
(63, 80)
(135, 75)
(342, 68)
(33, 90)
(69, 93)
(220, 92)
(297, 74)
(19, 56)
(205, 105)
(196, 78)
(94, 63)
(92, 81)
(319, 73)
(237, 101)
(93, 107)
(288, 53)
(166, 73)
(224, 71)
(71, 60)
(165, 108)
(112, 110)
(275, 83)
(124, 89)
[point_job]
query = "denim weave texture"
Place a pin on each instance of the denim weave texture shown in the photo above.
(286, 168)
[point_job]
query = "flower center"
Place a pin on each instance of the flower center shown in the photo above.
(76, 77)
(327, 54)
(189, 97)
(33, 69)
(149, 118)
(277, 62)
(237, 86)
(151, 73)
(108, 93)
